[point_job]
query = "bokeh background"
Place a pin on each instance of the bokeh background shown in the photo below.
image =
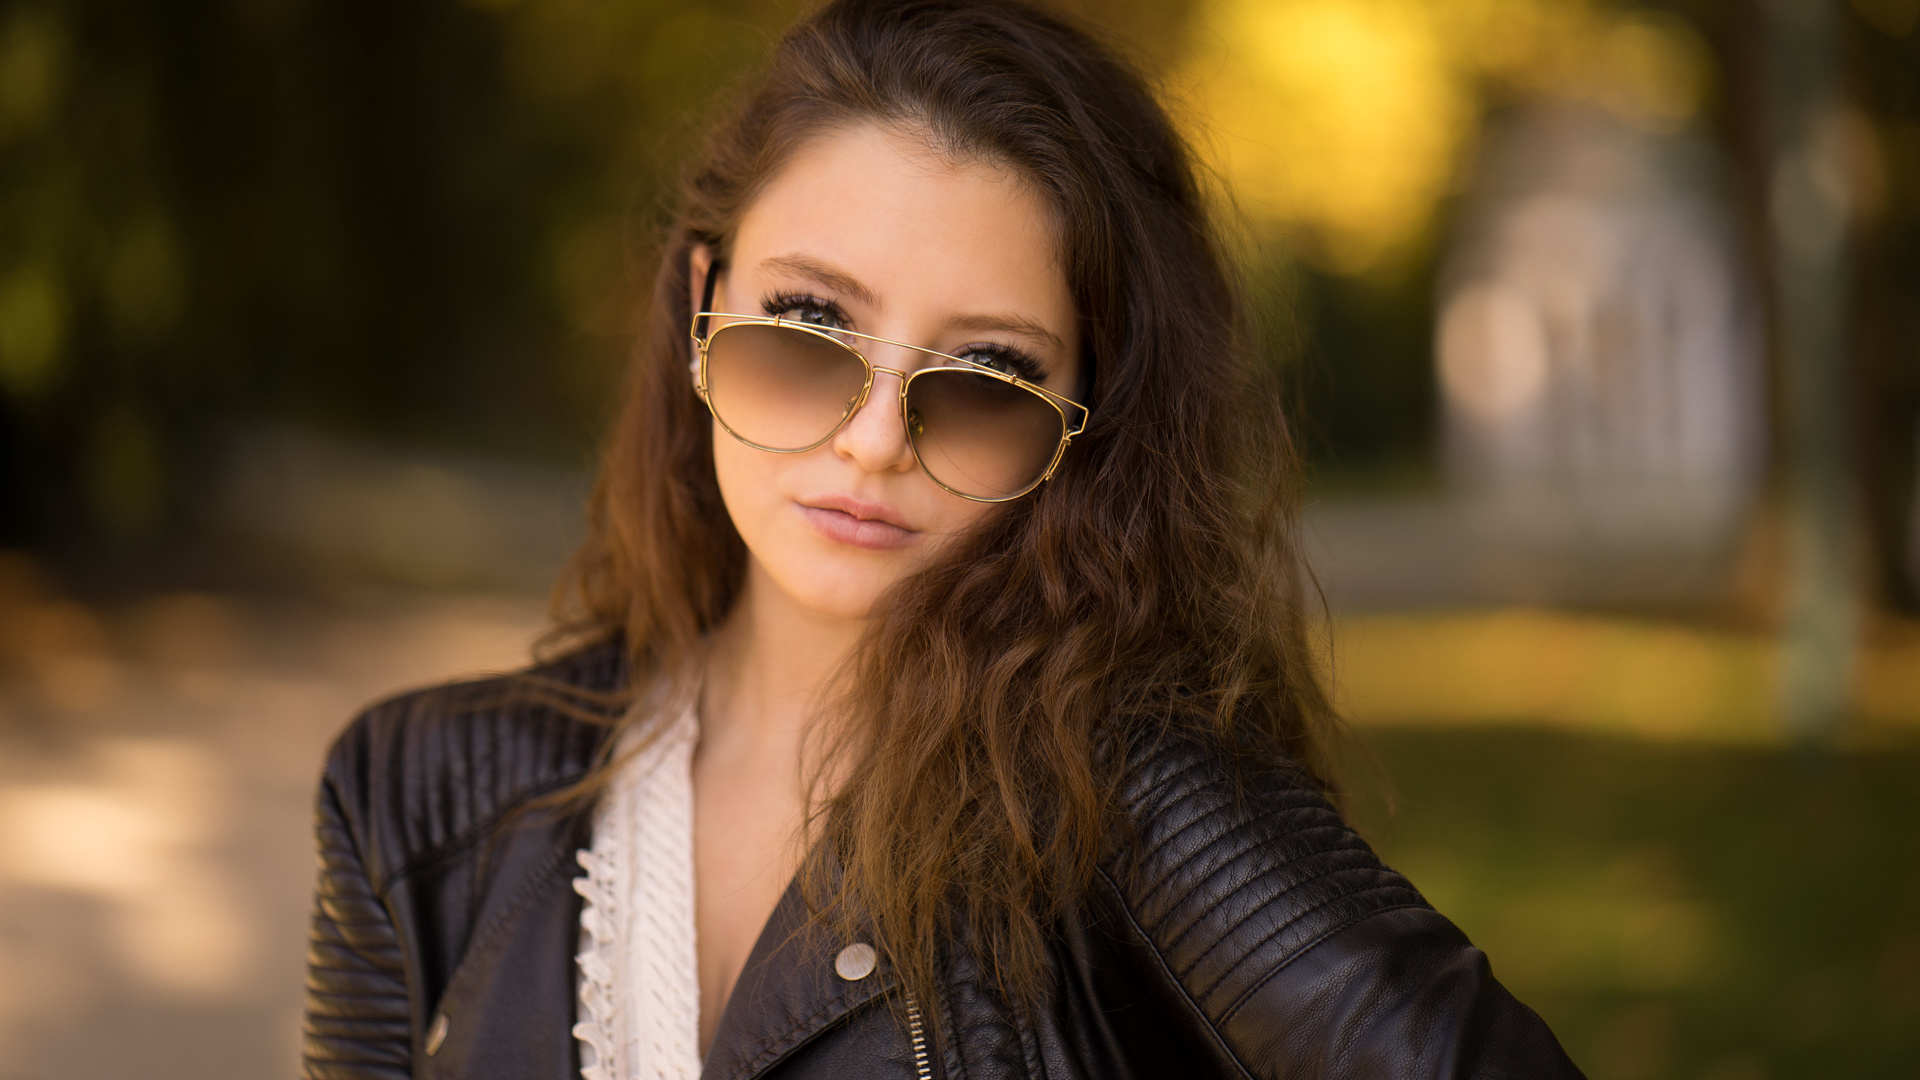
(1602, 325)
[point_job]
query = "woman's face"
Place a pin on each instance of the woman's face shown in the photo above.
(872, 230)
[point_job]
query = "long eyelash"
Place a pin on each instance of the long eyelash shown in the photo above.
(775, 304)
(1016, 362)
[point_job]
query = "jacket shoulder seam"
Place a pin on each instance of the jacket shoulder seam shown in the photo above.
(1233, 1008)
(453, 847)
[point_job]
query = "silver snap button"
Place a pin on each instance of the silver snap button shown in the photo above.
(855, 961)
(437, 1034)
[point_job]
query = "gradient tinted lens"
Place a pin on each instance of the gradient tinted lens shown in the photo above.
(979, 435)
(782, 388)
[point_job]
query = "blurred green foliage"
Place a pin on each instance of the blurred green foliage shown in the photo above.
(1356, 354)
(405, 219)
(1727, 913)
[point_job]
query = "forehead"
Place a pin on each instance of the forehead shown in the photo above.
(914, 224)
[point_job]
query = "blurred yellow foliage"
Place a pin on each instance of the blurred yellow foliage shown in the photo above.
(652, 56)
(1626, 676)
(33, 329)
(33, 63)
(145, 284)
(1342, 115)
(1349, 119)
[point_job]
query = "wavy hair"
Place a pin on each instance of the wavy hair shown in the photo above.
(1153, 585)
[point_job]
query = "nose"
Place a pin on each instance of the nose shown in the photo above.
(875, 437)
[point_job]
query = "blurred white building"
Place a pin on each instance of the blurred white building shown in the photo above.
(1599, 364)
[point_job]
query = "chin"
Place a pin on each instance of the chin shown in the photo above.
(842, 601)
(850, 594)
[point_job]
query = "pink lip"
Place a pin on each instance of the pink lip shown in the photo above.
(848, 520)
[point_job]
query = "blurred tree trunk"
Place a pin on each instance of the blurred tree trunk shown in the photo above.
(1883, 77)
(1786, 115)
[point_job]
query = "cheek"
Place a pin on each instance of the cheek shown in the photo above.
(949, 514)
(746, 477)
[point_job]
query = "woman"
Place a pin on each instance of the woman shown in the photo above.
(939, 701)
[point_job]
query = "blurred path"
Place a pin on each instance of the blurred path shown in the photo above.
(157, 764)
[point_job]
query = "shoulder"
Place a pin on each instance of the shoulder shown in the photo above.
(1231, 872)
(1271, 935)
(427, 770)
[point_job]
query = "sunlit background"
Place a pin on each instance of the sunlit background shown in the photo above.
(1601, 323)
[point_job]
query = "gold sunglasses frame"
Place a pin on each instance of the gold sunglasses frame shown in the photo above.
(1060, 404)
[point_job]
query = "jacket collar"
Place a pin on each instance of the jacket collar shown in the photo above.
(788, 993)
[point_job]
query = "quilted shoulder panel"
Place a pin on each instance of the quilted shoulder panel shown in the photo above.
(356, 1025)
(1231, 882)
(427, 771)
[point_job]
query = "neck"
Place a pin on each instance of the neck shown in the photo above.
(769, 663)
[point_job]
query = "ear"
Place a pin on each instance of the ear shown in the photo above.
(699, 265)
(699, 261)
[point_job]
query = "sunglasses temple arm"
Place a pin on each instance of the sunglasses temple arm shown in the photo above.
(701, 322)
(1077, 415)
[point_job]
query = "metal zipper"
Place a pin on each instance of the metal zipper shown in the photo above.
(921, 1068)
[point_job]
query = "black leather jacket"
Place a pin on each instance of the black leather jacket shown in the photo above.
(1240, 936)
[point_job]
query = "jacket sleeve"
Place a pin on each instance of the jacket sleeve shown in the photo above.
(1283, 946)
(356, 1025)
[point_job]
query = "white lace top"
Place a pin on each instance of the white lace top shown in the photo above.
(639, 1012)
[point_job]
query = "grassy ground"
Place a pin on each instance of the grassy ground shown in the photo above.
(1673, 909)
(1652, 678)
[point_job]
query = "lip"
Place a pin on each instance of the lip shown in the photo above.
(847, 520)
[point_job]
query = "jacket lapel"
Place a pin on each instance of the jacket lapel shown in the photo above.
(507, 1012)
(789, 992)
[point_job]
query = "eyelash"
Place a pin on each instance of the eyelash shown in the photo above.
(1002, 358)
(781, 305)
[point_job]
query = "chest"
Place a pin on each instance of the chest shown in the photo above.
(517, 1009)
(747, 818)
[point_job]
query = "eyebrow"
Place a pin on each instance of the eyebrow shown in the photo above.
(824, 274)
(1008, 324)
(843, 282)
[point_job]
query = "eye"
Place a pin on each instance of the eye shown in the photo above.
(810, 310)
(1004, 359)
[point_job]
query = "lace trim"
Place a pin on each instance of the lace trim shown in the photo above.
(639, 1010)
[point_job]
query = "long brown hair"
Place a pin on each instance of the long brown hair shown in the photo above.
(1152, 585)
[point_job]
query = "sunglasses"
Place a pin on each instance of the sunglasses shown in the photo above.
(786, 387)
